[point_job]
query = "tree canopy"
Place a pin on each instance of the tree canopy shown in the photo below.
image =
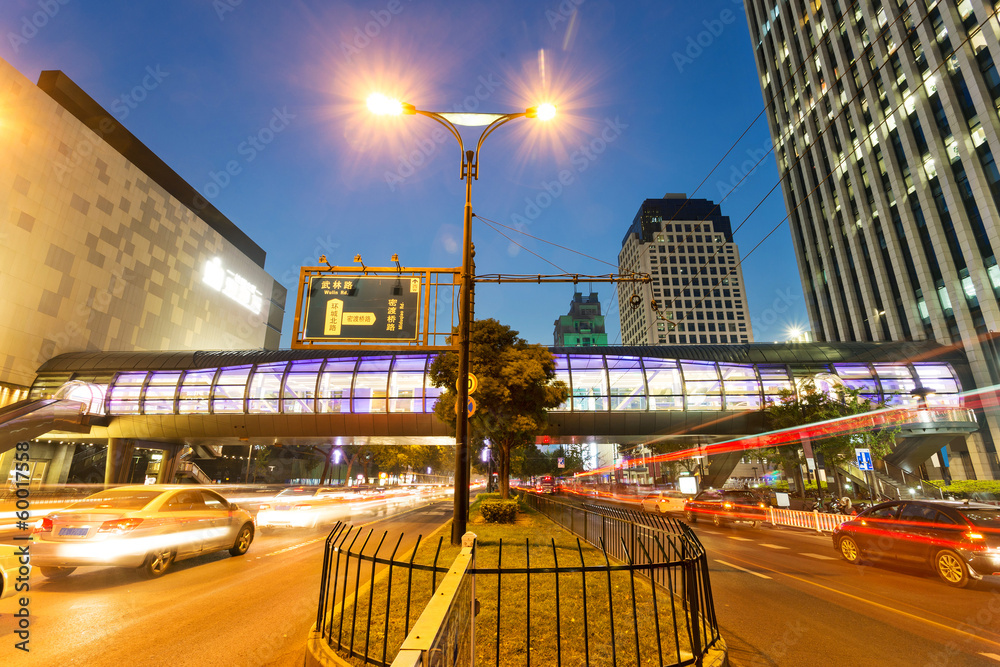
(516, 387)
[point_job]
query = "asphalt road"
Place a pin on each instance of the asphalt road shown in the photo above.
(213, 610)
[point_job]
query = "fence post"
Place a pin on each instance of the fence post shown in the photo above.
(816, 521)
(694, 611)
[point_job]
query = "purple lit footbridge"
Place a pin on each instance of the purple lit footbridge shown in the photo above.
(190, 404)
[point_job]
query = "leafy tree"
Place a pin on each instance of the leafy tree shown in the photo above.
(516, 388)
(813, 405)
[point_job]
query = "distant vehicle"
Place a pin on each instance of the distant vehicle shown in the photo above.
(149, 527)
(546, 484)
(724, 506)
(304, 507)
(959, 540)
(664, 501)
(10, 565)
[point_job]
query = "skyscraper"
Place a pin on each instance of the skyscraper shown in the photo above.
(583, 326)
(697, 296)
(884, 121)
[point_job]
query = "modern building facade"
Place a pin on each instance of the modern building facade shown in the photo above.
(697, 295)
(583, 326)
(104, 247)
(884, 121)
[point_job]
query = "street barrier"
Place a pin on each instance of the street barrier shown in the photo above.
(819, 521)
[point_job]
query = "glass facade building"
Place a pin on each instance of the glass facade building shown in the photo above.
(884, 120)
(583, 326)
(686, 246)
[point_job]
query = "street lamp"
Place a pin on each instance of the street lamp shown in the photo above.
(382, 105)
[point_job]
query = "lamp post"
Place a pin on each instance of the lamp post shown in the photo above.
(469, 170)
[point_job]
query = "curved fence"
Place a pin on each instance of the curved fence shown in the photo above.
(532, 603)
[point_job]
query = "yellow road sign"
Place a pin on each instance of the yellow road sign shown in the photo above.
(473, 384)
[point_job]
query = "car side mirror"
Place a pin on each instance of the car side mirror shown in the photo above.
(233, 507)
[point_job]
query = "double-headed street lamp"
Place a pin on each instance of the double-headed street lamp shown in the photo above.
(382, 105)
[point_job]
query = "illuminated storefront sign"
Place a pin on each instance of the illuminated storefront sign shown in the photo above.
(233, 285)
(361, 308)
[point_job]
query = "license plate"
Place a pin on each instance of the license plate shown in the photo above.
(73, 532)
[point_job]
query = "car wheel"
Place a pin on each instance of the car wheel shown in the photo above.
(57, 572)
(951, 568)
(754, 524)
(717, 521)
(690, 517)
(243, 540)
(157, 563)
(850, 550)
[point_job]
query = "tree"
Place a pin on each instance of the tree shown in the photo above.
(813, 405)
(516, 388)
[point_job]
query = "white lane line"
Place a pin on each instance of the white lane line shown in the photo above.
(819, 556)
(742, 569)
(772, 546)
(741, 539)
(991, 655)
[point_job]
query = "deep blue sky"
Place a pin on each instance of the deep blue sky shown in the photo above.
(325, 183)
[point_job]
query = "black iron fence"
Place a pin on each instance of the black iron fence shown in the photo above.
(536, 604)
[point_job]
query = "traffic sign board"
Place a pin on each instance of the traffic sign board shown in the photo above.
(473, 384)
(864, 459)
(471, 406)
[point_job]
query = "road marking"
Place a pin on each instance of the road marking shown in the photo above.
(819, 556)
(742, 569)
(741, 539)
(773, 546)
(991, 655)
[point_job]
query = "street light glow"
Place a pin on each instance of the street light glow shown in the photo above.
(381, 105)
(542, 112)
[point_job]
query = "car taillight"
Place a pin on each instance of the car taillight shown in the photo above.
(974, 537)
(727, 506)
(43, 525)
(762, 506)
(119, 526)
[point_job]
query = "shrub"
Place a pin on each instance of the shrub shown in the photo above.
(488, 496)
(498, 511)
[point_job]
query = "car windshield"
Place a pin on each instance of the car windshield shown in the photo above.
(122, 499)
(985, 518)
(739, 495)
(298, 492)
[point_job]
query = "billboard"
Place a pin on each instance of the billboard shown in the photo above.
(344, 308)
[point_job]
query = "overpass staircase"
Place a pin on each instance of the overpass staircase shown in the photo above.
(27, 419)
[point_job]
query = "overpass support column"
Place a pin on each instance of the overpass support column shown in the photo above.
(168, 464)
(119, 461)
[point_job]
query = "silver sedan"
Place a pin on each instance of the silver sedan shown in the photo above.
(147, 527)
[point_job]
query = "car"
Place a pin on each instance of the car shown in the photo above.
(664, 501)
(149, 527)
(304, 507)
(725, 506)
(958, 540)
(11, 562)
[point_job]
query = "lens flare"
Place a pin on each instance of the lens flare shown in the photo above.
(381, 105)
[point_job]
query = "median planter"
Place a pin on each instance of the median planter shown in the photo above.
(498, 511)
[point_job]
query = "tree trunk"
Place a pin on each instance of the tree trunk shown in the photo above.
(504, 471)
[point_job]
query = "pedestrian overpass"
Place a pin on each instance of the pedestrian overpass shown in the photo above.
(688, 395)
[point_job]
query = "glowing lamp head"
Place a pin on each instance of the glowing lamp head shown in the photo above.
(541, 112)
(381, 105)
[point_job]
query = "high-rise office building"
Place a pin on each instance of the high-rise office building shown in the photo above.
(696, 296)
(884, 121)
(583, 326)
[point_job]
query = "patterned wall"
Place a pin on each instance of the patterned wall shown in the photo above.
(95, 255)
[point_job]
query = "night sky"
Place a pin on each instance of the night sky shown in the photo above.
(651, 96)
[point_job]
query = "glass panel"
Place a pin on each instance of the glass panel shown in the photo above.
(165, 378)
(742, 387)
(406, 384)
(300, 388)
(562, 373)
(898, 386)
(704, 401)
(892, 371)
(627, 390)
(589, 383)
(265, 388)
(666, 392)
(230, 389)
(130, 378)
(370, 385)
(933, 371)
(334, 390)
(124, 400)
(699, 370)
(159, 399)
(866, 386)
(431, 395)
(748, 402)
(852, 370)
(737, 372)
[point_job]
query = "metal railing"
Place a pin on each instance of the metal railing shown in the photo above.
(597, 611)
